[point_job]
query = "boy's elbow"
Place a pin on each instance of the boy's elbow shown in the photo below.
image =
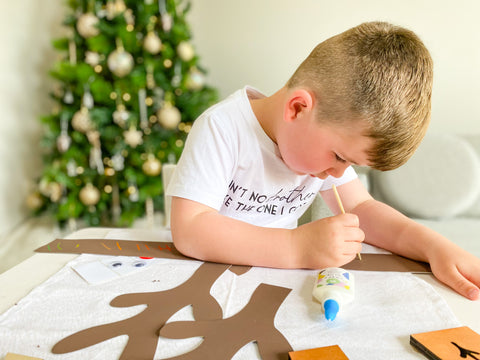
(183, 244)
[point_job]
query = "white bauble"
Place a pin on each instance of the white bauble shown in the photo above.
(133, 137)
(120, 62)
(169, 116)
(87, 25)
(152, 43)
(185, 51)
(89, 195)
(63, 142)
(195, 80)
(120, 116)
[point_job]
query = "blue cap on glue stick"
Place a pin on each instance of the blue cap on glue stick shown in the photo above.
(331, 308)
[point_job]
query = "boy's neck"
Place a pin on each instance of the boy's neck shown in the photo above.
(269, 111)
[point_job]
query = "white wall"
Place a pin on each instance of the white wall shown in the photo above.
(26, 30)
(255, 42)
(261, 42)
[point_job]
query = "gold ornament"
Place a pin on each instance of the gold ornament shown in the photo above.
(133, 137)
(34, 201)
(87, 25)
(169, 116)
(120, 62)
(152, 167)
(55, 191)
(81, 120)
(185, 51)
(152, 43)
(89, 195)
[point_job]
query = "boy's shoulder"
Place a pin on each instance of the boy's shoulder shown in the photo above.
(232, 108)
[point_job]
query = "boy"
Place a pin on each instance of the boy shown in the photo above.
(253, 164)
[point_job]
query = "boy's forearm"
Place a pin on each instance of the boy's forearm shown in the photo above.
(211, 236)
(387, 228)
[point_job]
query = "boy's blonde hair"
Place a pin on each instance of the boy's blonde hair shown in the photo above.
(377, 74)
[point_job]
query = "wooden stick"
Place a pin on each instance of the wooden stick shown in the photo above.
(340, 205)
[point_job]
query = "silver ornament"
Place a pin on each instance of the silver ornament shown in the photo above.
(120, 116)
(68, 97)
(92, 58)
(195, 80)
(63, 142)
(87, 25)
(120, 62)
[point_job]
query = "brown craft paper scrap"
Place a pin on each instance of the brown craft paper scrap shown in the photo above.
(12, 356)
(323, 353)
(224, 337)
(387, 262)
(142, 329)
(449, 344)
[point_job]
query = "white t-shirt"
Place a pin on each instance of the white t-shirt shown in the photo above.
(230, 164)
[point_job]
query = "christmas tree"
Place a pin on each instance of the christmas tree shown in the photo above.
(129, 88)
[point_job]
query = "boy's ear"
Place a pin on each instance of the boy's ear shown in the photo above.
(299, 103)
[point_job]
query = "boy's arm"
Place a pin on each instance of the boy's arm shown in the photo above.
(389, 229)
(201, 232)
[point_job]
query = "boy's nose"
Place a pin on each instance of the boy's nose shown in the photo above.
(336, 171)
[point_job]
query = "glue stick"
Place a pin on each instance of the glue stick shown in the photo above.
(334, 288)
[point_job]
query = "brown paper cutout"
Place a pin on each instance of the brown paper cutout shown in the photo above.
(224, 337)
(387, 262)
(239, 269)
(326, 353)
(166, 250)
(142, 329)
(456, 343)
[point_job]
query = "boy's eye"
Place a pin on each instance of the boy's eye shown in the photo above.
(339, 158)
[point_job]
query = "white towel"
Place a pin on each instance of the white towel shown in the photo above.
(388, 307)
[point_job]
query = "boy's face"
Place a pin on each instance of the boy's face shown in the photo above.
(308, 147)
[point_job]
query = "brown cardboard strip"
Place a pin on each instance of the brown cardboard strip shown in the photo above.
(369, 262)
(387, 262)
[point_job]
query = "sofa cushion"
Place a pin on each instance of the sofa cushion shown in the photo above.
(474, 210)
(440, 180)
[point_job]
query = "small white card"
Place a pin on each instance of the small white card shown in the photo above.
(111, 268)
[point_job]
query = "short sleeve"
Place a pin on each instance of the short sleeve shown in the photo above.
(206, 163)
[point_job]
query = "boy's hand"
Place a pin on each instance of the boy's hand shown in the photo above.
(328, 242)
(458, 269)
